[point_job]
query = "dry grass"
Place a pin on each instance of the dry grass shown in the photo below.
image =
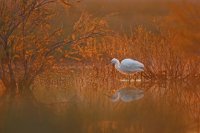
(156, 50)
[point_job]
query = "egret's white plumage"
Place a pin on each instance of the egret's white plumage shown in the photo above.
(127, 95)
(128, 66)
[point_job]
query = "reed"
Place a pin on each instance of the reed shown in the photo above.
(163, 61)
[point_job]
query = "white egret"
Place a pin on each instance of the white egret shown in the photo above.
(127, 95)
(128, 66)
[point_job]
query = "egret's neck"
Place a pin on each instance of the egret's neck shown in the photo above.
(116, 97)
(117, 65)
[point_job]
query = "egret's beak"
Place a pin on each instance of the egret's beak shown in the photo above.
(108, 63)
(142, 68)
(107, 95)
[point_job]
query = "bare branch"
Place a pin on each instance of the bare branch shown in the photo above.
(62, 43)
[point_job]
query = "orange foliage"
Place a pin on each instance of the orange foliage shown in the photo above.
(184, 20)
(162, 60)
(30, 44)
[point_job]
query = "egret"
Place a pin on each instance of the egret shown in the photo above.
(127, 95)
(128, 66)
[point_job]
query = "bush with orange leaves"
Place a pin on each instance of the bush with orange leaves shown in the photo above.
(156, 50)
(29, 42)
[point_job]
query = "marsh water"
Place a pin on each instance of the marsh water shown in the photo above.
(86, 101)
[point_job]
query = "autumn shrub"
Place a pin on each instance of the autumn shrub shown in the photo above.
(30, 43)
(155, 50)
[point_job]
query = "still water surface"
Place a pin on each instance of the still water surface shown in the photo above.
(86, 102)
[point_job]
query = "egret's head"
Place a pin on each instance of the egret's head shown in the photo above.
(141, 67)
(114, 61)
(115, 97)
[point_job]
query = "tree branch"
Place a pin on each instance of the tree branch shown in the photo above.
(61, 43)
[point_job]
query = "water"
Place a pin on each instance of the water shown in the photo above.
(82, 102)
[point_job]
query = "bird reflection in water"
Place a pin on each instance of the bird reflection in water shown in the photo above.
(127, 95)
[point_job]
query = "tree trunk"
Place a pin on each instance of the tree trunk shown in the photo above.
(14, 88)
(24, 86)
(11, 87)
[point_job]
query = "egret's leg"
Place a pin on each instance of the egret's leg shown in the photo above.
(129, 78)
(116, 105)
(141, 76)
(135, 77)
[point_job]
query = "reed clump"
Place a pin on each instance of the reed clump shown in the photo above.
(162, 60)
